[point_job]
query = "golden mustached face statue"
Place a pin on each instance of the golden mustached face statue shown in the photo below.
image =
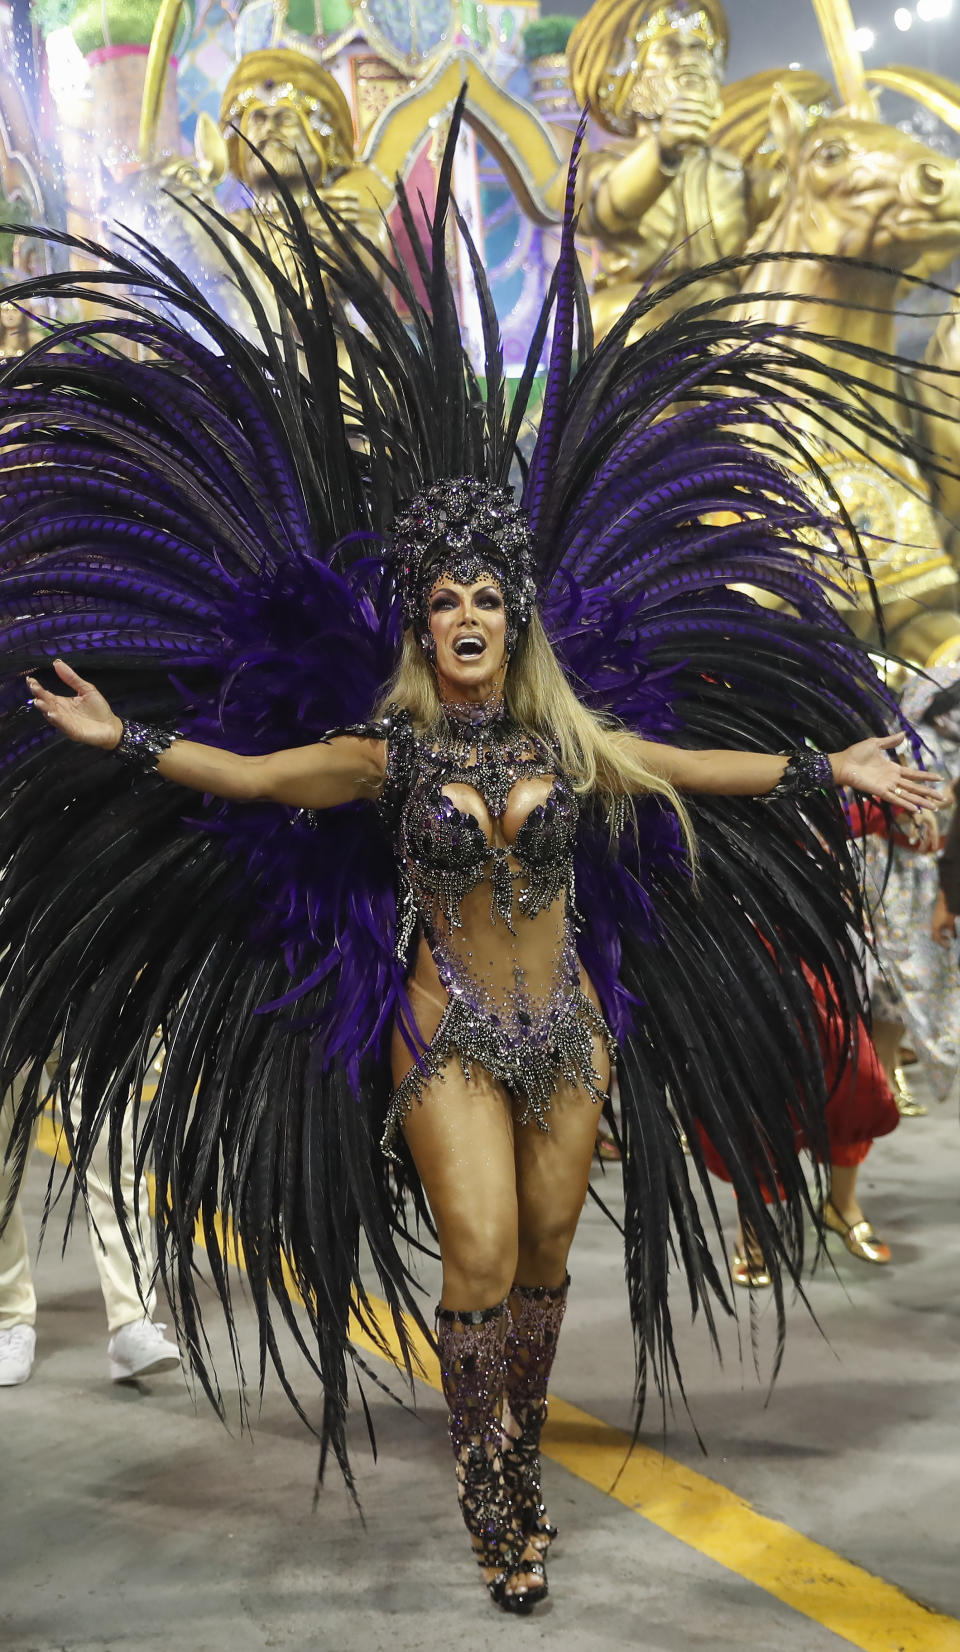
(291, 110)
(628, 60)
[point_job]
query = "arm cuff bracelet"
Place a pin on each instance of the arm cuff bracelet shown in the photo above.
(142, 744)
(807, 771)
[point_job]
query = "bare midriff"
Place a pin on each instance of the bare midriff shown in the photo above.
(493, 957)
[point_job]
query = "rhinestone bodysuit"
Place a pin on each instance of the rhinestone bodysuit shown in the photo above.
(487, 910)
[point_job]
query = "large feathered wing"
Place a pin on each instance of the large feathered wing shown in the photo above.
(193, 515)
(690, 588)
(194, 530)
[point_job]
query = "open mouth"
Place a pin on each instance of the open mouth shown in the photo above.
(469, 648)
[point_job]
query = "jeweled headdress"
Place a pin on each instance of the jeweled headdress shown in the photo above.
(466, 528)
(680, 17)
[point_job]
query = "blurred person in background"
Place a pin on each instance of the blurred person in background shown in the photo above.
(137, 1346)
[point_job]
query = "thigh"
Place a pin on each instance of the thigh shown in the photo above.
(553, 1166)
(461, 1137)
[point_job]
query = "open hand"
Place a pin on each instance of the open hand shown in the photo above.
(867, 767)
(83, 715)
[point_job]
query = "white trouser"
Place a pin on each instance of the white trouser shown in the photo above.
(118, 1278)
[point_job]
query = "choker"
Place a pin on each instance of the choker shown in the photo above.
(475, 714)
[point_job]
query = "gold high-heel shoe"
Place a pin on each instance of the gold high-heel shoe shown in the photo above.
(907, 1104)
(748, 1269)
(607, 1148)
(859, 1237)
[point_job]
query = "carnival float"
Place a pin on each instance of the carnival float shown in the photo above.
(141, 111)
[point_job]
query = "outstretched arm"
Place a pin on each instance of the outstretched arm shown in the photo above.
(307, 777)
(865, 766)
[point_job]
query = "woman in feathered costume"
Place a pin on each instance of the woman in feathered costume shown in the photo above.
(433, 929)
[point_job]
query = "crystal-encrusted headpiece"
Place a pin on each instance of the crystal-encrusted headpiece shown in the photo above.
(463, 527)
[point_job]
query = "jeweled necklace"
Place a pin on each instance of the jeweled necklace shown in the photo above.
(480, 741)
(475, 714)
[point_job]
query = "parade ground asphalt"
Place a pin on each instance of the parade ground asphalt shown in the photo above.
(822, 1515)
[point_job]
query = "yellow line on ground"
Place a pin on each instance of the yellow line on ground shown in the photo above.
(851, 1602)
(862, 1609)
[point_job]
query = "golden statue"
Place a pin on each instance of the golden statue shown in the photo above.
(940, 421)
(857, 186)
(661, 194)
(281, 112)
(294, 112)
(694, 162)
(284, 105)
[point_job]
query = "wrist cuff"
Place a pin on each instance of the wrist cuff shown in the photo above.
(806, 772)
(142, 744)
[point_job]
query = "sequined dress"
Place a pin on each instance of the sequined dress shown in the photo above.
(498, 917)
(913, 979)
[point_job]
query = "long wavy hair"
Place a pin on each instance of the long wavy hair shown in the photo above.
(596, 753)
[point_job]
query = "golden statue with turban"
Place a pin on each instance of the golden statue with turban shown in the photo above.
(281, 108)
(661, 193)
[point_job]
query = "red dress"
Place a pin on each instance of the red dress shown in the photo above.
(861, 1105)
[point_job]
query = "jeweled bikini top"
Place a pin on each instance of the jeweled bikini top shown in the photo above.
(445, 849)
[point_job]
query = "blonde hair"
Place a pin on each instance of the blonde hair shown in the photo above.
(596, 753)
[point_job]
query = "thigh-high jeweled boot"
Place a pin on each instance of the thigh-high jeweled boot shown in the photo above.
(471, 1349)
(530, 1348)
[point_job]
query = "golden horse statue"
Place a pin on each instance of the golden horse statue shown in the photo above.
(687, 174)
(864, 190)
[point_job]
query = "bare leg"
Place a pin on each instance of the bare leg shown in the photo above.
(553, 1173)
(887, 1037)
(552, 1177)
(461, 1136)
(843, 1192)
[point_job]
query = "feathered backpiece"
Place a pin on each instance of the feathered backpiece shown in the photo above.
(197, 519)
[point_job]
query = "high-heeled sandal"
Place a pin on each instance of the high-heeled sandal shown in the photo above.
(516, 1579)
(531, 1346)
(907, 1104)
(747, 1266)
(859, 1237)
(749, 1271)
(471, 1349)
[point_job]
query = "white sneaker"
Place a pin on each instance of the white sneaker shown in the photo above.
(17, 1347)
(139, 1349)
